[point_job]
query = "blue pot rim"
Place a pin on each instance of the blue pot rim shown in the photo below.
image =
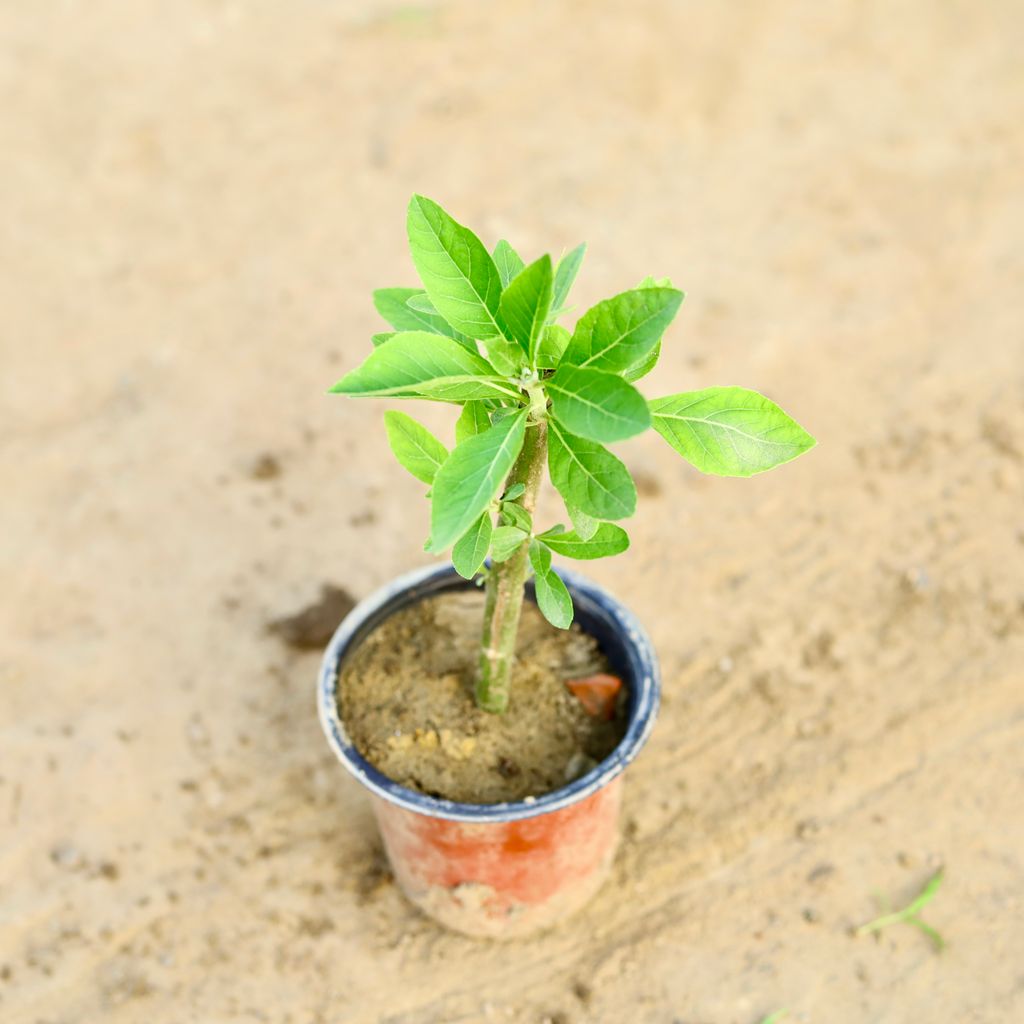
(593, 604)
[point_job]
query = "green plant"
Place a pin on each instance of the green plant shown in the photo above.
(483, 333)
(910, 914)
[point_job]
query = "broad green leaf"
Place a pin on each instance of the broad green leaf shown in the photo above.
(401, 307)
(414, 446)
(470, 479)
(460, 277)
(553, 342)
(608, 540)
(588, 477)
(565, 273)
(584, 525)
(516, 515)
(415, 364)
(618, 332)
(506, 541)
(508, 262)
(515, 491)
(729, 431)
(471, 548)
(553, 599)
(644, 367)
(525, 303)
(597, 405)
(472, 420)
(505, 356)
(379, 339)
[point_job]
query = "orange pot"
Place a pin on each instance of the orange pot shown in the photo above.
(501, 870)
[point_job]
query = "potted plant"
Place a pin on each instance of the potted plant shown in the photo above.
(492, 742)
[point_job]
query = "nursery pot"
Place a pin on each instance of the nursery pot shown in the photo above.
(500, 870)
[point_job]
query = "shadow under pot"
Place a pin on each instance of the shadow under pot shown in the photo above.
(508, 869)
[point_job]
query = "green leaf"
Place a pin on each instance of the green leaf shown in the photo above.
(460, 277)
(553, 598)
(506, 541)
(516, 515)
(415, 364)
(515, 491)
(525, 303)
(585, 525)
(608, 540)
(618, 332)
(553, 342)
(565, 273)
(470, 479)
(597, 405)
(471, 548)
(655, 282)
(396, 305)
(472, 420)
(729, 431)
(379, 339)
(508, 262)
(414, 446)
(588, 477)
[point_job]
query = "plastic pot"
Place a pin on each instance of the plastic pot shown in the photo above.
(500, 870)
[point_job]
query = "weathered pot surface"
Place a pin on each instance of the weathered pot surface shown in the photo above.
(500, 870)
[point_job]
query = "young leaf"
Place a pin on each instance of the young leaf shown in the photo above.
(471, 477)
(618, 332)
(525, 303)
(379, 339)
(401, 308)
(471, 548)
(415, 364)
(553, 599)
(553, 342)
(565, 273)
(414, 446)
(584, 525)
(588, 477)
(514, 492)
(508, 262)
(506, 541)
(597, 405)
(729, 431)
(516, 515)
(507, 357)
(608, 540)
(472, 420)
(460, 277)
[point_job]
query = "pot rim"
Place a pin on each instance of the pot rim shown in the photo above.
(594, 601)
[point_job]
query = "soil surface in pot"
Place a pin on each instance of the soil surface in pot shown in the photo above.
(406, 697)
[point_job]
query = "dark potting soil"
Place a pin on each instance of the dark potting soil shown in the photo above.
(406, 697)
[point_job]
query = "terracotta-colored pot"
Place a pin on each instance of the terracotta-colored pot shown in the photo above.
(501, 870)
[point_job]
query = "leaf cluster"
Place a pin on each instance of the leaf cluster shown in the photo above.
(483, 333)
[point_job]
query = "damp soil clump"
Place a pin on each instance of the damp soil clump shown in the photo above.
(406, 697)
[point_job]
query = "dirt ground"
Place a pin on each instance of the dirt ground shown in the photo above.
(198, 198)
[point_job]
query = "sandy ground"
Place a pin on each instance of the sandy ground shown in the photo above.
(198, 198)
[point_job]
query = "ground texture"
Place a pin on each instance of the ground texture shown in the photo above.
(198, 199)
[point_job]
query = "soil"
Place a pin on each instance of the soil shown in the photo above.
(406, 698)
(199, 197)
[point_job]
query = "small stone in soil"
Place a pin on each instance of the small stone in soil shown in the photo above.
(311, 628)
(265, 467)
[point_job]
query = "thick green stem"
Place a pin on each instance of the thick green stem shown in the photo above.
(506, 581)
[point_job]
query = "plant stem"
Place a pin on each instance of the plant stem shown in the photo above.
(505, 583)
